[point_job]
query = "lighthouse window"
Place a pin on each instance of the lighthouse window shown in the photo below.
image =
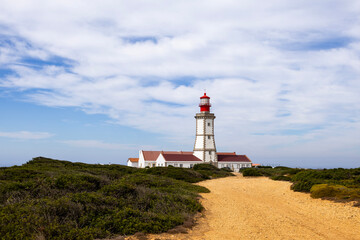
(208, 137)
(209, 124)
(210, 152)
(204, 101)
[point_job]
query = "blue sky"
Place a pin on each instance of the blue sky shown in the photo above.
(96, 82)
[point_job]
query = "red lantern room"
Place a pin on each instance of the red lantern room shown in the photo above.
(204, 103)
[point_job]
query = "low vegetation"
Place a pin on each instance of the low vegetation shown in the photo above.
(337, 184)
(52, 199)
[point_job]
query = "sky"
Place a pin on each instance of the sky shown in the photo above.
(97, 81)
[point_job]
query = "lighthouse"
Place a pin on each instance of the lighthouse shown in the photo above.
(204, 147)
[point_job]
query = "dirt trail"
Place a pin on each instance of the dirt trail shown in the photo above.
(259, 208)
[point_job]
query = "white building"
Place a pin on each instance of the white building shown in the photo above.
(133, 162)
(204, 148)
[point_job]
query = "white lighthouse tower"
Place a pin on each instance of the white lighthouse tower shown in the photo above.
(204, 147)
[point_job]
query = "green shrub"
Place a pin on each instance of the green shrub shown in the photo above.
(19, 174)
(210, 171)
(185, 174)
(281, 178)
(324, 190)
(227, 169)
(198, 173)
(338, 183)
(357, 180)
(247, 172)
(303, 186)
(63, 200)
(281, 167)
(80, 182)
(205, 166)
(334, 191)
(264, 167)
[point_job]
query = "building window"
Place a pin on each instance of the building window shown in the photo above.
(209, 124)
(191, 165)
(175, 164)
(181, 165)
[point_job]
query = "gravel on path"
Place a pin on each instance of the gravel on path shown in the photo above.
(259, 208)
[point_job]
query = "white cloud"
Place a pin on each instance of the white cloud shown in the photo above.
(25, 135)
(97, 144)
(268, 67)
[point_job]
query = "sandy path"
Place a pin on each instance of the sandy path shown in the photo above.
(259, 208)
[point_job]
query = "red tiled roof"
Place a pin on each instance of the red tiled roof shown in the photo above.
(187, 156)
(232, 158)
(177, 152)
(153, 155)
(180, 157)
(133, 159)
(226, 153)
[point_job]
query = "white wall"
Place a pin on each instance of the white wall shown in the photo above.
(200, 126)
(209, 142)
(150, 164)
(160, 161)
(199, 142)
(210, 157)
(132, 164)
(209, 129)
(141, 163)
(235, 166)
(199, 154)
(182, 164)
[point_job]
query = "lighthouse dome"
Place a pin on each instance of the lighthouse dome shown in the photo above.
(205, 96)
(205, 103)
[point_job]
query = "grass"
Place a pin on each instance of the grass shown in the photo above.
(337, 184)
(53, 199)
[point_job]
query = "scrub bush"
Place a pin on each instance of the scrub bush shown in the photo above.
(198, 173)
(281, 178)
(334, 192)
(303, 186)
(251, 172)
(227, 169)
(205, 166)
(337, 183)
(52, 199)
(185, 174)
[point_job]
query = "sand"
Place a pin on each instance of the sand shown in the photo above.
(259, 208)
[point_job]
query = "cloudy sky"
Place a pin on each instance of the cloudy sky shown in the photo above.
(96, 81)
